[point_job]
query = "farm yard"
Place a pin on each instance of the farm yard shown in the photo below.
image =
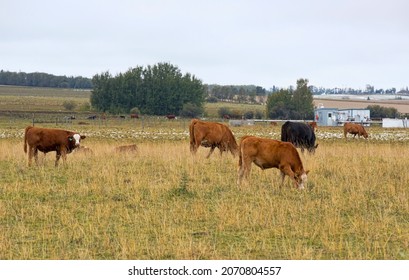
(160, 202)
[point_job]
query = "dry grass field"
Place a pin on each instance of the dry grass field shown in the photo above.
(163, 203)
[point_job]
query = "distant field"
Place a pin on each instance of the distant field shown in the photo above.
(16, 100)
(212, 109)
(401, 105)
(30, 99)
(43, 92)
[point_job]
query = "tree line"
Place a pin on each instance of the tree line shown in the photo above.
(160, 89)
(39, 79)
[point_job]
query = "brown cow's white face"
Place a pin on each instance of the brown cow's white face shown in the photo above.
(76, 138)
(301, 180)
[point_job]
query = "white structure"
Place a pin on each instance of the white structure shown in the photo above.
(337, 117)
(403, 123)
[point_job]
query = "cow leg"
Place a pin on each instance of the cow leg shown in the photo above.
(286, 170)
(64, 157)
(244, 169)
(193, 148)
(57, 157)
(221, 147)
(30, 155)
(282, 179)
(211, 151)
(35, 154)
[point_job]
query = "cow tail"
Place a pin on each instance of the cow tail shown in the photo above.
(231, 142)
(240, 155)
(192, 134)
(241, 150)
(25, 138)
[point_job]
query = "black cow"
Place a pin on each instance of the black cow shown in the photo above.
(300, 134)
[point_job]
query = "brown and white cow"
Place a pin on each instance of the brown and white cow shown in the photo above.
(211, 134)
(47, 140)
(354, 128)
(269, 153)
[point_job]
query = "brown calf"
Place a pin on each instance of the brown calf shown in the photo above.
(47, 140)
(269, 153)
(211, 134)
(354, 129)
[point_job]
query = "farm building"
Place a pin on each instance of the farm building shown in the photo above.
(337, 117)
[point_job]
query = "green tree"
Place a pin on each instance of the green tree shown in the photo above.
(158, 90)
(279, 105)
(290, 103)
(303, 101)
(190, 110)
(383, 112)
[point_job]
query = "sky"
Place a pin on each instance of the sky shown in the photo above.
(332, 43)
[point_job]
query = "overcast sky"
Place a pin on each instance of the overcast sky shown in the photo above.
(332, 43)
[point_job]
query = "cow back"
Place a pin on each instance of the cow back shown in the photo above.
(300, 134)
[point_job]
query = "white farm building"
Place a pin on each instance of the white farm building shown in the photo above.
(337, 117)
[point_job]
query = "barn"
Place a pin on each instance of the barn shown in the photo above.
(337, 117)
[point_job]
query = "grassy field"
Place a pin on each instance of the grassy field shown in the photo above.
(164, 203)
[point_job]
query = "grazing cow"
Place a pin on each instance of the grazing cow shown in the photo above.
(134, 116)
(300, 134)
(269, 153)
(170, 117)
(47, 140)
(354, 128)
(93, 117)
(211, 134)
(126, 148)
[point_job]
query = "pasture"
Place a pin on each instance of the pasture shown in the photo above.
(163, 203)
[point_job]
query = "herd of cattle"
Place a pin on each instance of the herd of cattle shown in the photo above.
(263, 152)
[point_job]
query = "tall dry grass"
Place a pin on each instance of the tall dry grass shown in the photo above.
(163, 203)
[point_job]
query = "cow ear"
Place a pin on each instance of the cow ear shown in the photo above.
(83, 136)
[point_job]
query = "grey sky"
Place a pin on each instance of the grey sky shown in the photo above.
(332, 43)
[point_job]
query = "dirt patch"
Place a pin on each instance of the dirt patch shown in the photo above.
(401, 105)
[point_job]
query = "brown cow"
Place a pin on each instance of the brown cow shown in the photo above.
(314, 125)
(126, 148)
(211, 134)
(354, 128)
(269, 153)
(47, 140)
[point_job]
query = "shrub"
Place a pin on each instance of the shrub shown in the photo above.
(69, 105)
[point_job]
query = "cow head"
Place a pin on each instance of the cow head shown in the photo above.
(74, 140)
(301, 180)
(312, 149)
